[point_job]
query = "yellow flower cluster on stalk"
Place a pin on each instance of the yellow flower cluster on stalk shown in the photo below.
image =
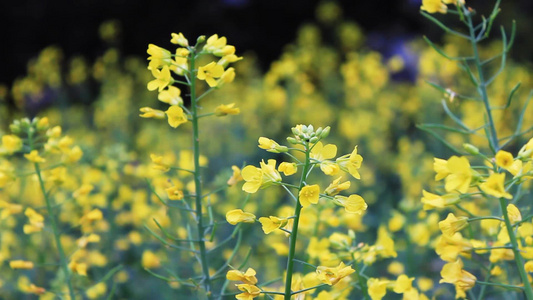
(165, 65)
(306, 152)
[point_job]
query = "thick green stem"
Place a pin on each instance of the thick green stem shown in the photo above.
(294, 231)
(519, 261)
(198, 182)
(53, 222)
(482, 86)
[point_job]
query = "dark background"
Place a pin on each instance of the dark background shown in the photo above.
(260, 26)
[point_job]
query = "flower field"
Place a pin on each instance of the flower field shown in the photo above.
(338, 173)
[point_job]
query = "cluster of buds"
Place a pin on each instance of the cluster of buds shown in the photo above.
(303, 133)
(31, 137)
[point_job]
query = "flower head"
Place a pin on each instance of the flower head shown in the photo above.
(309, 194)
(162, 79)
(351, 163)
(209, 72)
(494, 186)
(354, 204)
(331, 276)
(176, 116)
(247, 277)
(272, 223)
(34, 157)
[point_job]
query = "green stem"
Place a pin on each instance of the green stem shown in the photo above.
(53, 223)
(198, 182)
(294, 232)
(482, 86)
(528, 290)
(362, 282)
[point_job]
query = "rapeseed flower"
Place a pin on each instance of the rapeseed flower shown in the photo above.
(227, 109)
(272, 223)
(209, 72)
(11, 143)
(238, 215)
(247, 277)
(351, 163)
(354, 204)
(34, 157)
(287, 168)
(494, 186)
(176, 116)
(162, 79)
(309, 194)
(332, 276)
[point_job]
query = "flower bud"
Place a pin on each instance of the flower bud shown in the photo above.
(471, 149)
(293, 140)
(15, 127)
(325, 132)
(200, 40)
(314, 139)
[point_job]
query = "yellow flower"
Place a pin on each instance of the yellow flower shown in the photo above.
(247, 277)
(309, 194)
(209, 72)
(34, 157)
(440, 166)
(321, 152)
(93, 215)
(336, 187)
(218, 46)
(236, 177)
(157, 160)
(514, 214)
(238, 215)
(148, 112)
(453, 273)
(179, 39)
(505, 160)
(272, 223)
(287, 168)
(11, 143)
(227, 77)
(403, 284)
(377, 289)
(460, 174)
(331, 276)
(162, 79)
(271, 145)
(36, 221)
(171, 96)
(249, 291)
(149, 260)
(354, 204)
(79, 268)
(96, 291)
(494, 186)
(174, 193)
(21, 264)
(433, 6)
(229, 109)
(176, 116)
(351, 163)
(260, 177)
(432, 201)
(452, 224)
(158, 56)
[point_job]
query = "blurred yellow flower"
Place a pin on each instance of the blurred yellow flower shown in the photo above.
(494, 186)
(34, 157)
(174, 193)
(236, 177)
(149, 260)
(171, 96)
(227, 109)
(148, 112)
(249, 291)
(377, 288)
(21, 264)
(433, 6)
(11, 143)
